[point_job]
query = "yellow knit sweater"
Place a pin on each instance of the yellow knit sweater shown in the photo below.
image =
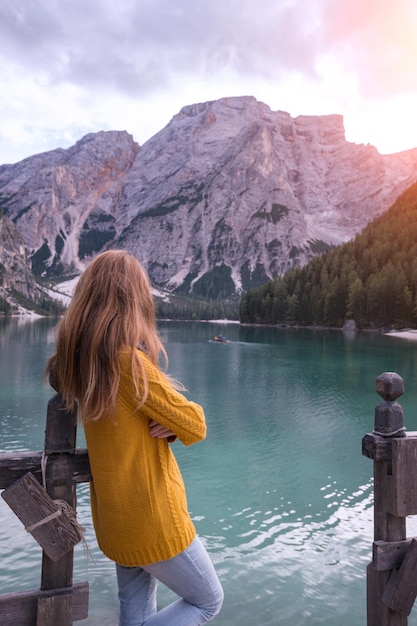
(137, 493)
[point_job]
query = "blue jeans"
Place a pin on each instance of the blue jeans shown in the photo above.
(190, 575)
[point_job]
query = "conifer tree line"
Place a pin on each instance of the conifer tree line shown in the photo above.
(371, 279)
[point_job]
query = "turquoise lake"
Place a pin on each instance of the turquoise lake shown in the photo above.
(279, 491)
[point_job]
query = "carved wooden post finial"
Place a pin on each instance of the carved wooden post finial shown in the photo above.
(389, 414)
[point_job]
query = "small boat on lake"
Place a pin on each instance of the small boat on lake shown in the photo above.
(221, 339)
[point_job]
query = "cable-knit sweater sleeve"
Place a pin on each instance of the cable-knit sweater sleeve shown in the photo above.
(170, 408)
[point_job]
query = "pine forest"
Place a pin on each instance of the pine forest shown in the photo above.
(372, 280)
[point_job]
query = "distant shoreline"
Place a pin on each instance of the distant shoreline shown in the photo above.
(411, 335)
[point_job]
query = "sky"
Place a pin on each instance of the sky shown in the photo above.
(71, 67)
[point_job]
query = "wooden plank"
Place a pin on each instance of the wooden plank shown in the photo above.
(401, 590)
(58, 601)
(61, 427)
(54, 573)
(42, 517)
(56, 609)
(389, 555)
(21, 608)
(378, 613)
(60, 436)
(59, 468)
(387, 527)
(376, 447)
(402, 497)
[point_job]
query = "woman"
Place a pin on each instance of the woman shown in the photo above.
(106, 365)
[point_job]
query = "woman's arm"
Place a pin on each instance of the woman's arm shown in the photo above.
(169, 410)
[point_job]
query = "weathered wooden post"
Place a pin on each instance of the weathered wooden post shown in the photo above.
(58, 468)
(60, 438)
(392, 574)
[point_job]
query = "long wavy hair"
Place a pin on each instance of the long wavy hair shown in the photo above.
(112, 308)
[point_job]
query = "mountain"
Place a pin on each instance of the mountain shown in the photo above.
(15, 274)
(51, 198)
(19, 291)
(228, 195)
(370, 280)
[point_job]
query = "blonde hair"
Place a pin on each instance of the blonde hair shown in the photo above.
(112, 308)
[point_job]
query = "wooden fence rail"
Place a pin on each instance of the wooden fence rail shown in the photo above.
(59, 468)
(392, 574)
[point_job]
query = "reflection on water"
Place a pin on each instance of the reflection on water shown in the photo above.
(279, 490)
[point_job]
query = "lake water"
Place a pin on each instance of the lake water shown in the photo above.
(279, 490)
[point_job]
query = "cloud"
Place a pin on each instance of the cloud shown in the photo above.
(136, 46)
(76, 66)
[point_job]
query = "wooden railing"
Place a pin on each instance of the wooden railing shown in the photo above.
(36, 486)
(33, 483)
(392, 574)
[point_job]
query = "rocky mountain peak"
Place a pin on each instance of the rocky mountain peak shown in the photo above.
(50, 197)
(226, 196)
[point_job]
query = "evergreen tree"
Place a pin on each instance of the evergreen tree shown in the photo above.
(371, 279)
